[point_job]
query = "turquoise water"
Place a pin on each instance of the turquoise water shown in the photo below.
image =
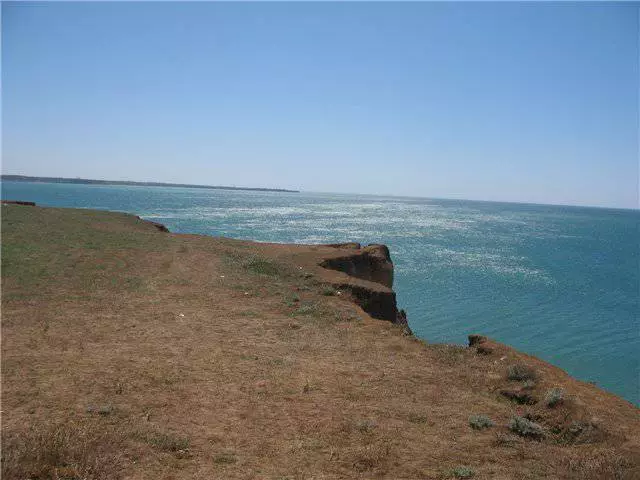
(558, 282)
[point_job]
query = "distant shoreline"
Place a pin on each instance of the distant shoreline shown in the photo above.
(85, 181)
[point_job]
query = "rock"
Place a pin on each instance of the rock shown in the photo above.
(372, 263)
(476, 339)
(160, 227)
(401, 319)
(482, 344)
(380, 304)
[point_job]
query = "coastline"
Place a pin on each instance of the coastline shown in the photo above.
(176, 320)
(86, 181)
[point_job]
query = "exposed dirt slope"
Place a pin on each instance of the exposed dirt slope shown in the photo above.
(128, 352)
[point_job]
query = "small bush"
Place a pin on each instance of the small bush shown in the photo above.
(463, 472)
(479, 422)
(554, 397)
(526, 428)
(521, 373)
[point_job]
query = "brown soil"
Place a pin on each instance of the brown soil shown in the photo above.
(128, 352)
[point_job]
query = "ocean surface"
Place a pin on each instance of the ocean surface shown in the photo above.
(561, 283)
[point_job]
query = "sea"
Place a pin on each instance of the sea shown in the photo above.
(558, 282)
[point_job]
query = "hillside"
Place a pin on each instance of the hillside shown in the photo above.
(131, 352)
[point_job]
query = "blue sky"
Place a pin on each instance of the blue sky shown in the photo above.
(492, 101)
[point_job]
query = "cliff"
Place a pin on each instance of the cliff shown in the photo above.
(132, 352)
(371, 265)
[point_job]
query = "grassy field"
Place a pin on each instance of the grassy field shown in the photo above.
(132, 353)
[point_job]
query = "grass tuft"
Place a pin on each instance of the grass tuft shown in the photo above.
(480, 422)
(554, 397)
(168, 442)
(462, 472)
(307, 309)
(224, 459)
(328, 291)
(521, 373)
(262, 266)
(526, 428)
(417, 418)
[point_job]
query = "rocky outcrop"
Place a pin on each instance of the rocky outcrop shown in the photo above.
(368, 281)
(482, 344)
(159, 226)
(372, 263)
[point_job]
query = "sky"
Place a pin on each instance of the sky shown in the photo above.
(490, 101)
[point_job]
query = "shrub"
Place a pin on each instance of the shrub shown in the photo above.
(554, 397)
(521, 372)
(478, 422)
(463, 472)
(525, 428)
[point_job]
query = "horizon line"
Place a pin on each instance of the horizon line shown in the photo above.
(147, 183)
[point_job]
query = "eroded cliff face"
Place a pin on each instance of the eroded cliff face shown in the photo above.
(369, 279)
(372, 263)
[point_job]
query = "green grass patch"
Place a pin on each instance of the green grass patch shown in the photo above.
(262, 266)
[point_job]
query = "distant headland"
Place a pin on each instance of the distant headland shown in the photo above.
(86, 181)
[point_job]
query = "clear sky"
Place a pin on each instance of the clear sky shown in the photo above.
(491, 101)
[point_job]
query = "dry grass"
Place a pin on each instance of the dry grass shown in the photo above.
(68, 451)
(521, 373)
(603, 464)
(213, 358)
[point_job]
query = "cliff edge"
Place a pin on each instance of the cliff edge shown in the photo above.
(129, 352)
